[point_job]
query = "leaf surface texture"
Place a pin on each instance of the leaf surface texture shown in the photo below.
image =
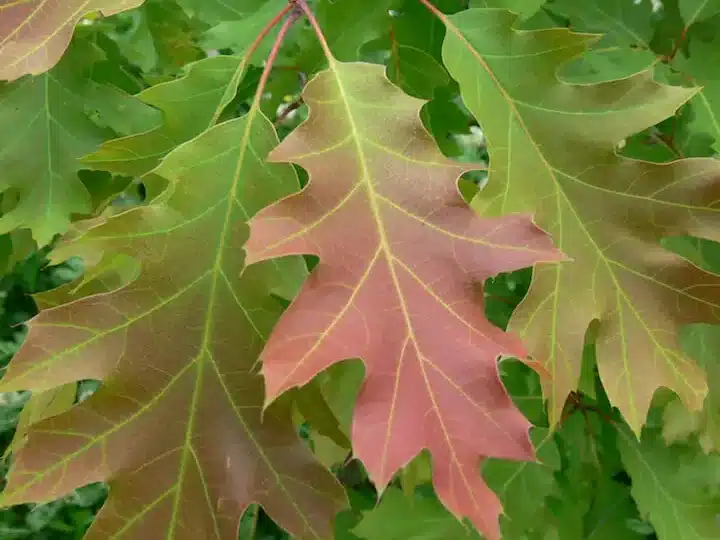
(401, 260)
(552, 147)
(176, 428)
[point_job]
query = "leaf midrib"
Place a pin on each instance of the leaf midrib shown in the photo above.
(385, 249)
(204, 355)
(218, 274)
(560, 192)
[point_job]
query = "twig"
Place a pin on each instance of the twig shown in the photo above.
(302, 6)
(266, 30)
(288, 110)
(575, 403)
(250, 51)
(273, 55)
(676, 46)
(435, 11)
(395, 51)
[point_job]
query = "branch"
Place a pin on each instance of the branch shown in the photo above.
(273, 55)
(295, 105)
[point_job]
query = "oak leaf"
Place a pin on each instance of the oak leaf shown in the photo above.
(190, 105)
(35, 33)
(552, 150)
(674, 487)
(400, 253)
(176, 428)
(51, 131)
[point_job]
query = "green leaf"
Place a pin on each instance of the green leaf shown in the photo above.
(217, 11)
(696, 10)
(416, 72)
(626, 23)
(190, 106)
(398, 517)
(524, 8)
(612, 513)
(414, 26)
(445, 120)
(623, 49)
(702, 341)
(696, 64)
(366, 21)
(524, 487)
(233, 32)
(160, 37)
(675, 487)
(39, 158)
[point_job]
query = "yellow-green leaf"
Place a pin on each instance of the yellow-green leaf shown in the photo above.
(552, 151)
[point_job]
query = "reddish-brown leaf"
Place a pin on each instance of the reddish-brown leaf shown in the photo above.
(35, 33)
(400, 255)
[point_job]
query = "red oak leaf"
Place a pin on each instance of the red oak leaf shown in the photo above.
(400, 256)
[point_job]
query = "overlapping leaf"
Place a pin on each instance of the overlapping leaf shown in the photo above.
(626, 30)
(176, 428)
(674, 487)
(190, 105)
(694, 64)
(369, 21)
(216, 11)
(160, 37)
(524, 488)
(525, 8)
(703, 342)
(552, 151)
(630, 30)
(695, 10)
(399, 254)
(35, 33)
(414, 46)
(46, 131)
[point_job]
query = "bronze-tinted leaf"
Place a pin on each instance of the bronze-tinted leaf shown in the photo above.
(35, 33)
(176, 427)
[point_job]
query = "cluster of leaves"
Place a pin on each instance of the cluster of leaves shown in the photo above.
(311, 229)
